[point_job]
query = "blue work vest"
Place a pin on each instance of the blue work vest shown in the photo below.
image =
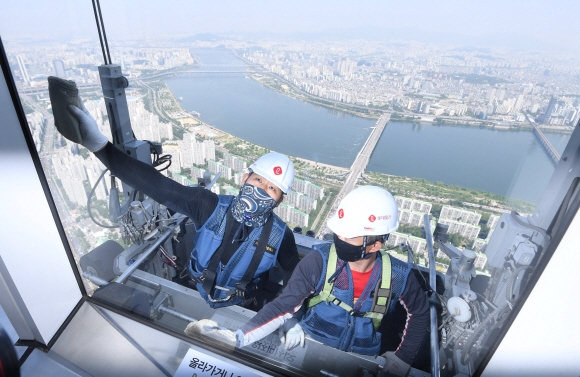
(334, 326)
(208, 239)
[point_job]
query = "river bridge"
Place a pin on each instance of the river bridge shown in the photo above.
(360, 163)
(550, 150)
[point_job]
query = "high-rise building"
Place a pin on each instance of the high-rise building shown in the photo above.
(196, 172)
(182, 179)
(549, 110)
(292, 215)
(413, 204)
(75, 190)
(480, 260)
(235, 162)
(411, 217)
(58, 67)
(459, 215)
(198, 153)
(209, 150)
(419, 245)
(492, 221)
(463, 229)
(216, 167)
(300, 201)
(238, 176)
(94, 170)
(23, 70)
(308, 188)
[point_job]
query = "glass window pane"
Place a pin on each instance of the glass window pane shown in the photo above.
(466, 131)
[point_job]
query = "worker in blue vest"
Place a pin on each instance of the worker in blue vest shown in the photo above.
(238, 238)
(348, 287)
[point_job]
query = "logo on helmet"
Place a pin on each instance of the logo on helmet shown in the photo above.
(368, 229)
(277, 170)
(372, 218)
(340, 213)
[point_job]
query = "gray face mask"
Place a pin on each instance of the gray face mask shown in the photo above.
(252, 206)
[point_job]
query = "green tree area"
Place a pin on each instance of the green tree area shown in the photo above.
(100, 210)
(436, 210)
(244, 149)
(85, 245)
(27, 108)
(416, 231)
(178, 132)
(397, 116)
(459, 241)
(382, 107)
(330, 193)
(483, 233)
(439, 192)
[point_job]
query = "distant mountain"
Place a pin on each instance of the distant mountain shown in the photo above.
(205, 37)
(376, 33)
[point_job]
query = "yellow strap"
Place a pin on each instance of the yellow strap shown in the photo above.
(386, 277)
(327, 289)
(327, 296)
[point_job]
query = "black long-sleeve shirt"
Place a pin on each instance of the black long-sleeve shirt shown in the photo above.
(303, 283)
(195, 202)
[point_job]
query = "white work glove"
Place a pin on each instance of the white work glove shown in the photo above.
(291, 334)
(92, 137)
(394, 366)
(209, 328)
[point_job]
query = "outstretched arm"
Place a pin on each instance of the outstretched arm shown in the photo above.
(273, 315)
(196, 203)
(415, 303)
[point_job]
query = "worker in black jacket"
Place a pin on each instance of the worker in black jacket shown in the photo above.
(348, 287)
(230, 228)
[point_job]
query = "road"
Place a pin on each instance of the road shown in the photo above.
(360, 163)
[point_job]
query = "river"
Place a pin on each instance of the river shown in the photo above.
(508, 163)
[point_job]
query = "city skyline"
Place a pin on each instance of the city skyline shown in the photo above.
(531, 25)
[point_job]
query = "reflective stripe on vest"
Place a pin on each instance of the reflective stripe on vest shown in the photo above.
(382, 293)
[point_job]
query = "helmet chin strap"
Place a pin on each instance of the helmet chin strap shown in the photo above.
(363, 254)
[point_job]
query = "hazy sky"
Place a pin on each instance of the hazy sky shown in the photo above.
(534, 22)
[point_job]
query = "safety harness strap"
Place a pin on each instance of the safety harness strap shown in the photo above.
(209, 275)
(382, 293)
(327, 289)
(242, 285)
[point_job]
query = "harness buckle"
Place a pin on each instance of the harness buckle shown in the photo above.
(227, 298)
(336, 302)
(245, 289)
(356, 314)
(198, 280)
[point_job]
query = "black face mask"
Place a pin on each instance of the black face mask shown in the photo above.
(348, 252)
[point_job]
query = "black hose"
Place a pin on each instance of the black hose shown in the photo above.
(90, 199)
(543, 232)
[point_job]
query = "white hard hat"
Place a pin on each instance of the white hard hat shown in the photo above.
(276, 168)
(365, 211)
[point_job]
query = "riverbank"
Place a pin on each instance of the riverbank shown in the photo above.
(439, 192)
(331, 176)
(287, 89)
(244, 148)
